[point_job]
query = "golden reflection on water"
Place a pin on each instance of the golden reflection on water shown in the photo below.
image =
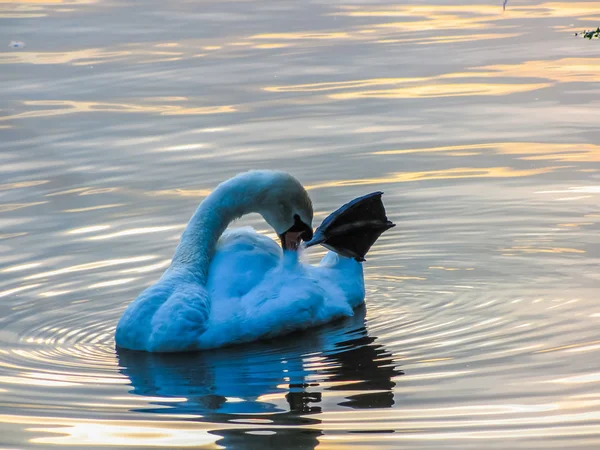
(440, 17)
(473, 18)
(86, 230)
(30, 9)
(136, 231)
(63, 107)
(25, 381)
(79, 191)
(569, 9)
(580, 379)
(98, 432)
(336, 85)
(181, 192)
(575, 225)
(150, 268)
(526, 150)
(93, 208)
(442, 90)
(271, 46)
(90, 266)
(117, 282)
(531, 249)
(449, 269)
(15, 206)
(442, 39)
(22, 184)
(445, 174)
(17, 289)
(432, 360)
(76, 57)
(50, 294)
(12, 235)
(563, 70)
(413, 88)
(399, 278)
(570, 347)
(21, 267)
(301, 36)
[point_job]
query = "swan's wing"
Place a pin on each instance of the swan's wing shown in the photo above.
(291, 296)
(242, 259)
(168, 316)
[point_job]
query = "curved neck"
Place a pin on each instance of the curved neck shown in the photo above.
(229, 201)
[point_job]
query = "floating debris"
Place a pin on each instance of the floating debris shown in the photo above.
(590, 34)
(16, 44)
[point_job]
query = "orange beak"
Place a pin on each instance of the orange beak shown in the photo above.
(290, 240)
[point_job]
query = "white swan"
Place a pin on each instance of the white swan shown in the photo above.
(228, 287)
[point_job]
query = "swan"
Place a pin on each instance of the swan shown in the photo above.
(233, 286)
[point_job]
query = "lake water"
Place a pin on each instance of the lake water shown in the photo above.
(482, 127)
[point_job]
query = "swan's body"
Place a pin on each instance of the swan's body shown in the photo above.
(239, 286)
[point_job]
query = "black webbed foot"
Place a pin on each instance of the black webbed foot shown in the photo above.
(352, 229)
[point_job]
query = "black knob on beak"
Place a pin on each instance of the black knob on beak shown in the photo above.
(300, 230)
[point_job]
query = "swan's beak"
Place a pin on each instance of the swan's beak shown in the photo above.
(290, 240)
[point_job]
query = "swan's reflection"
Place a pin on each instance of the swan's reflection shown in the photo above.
(277, 385)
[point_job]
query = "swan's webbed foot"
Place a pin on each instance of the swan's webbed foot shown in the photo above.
(352, 229)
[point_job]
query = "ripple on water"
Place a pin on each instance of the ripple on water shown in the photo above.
(482, 317)
(415, 362)
(434, 357)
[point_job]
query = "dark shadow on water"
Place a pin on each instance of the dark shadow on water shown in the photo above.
(269, 388)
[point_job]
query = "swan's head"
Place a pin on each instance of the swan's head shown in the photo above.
(286, 207)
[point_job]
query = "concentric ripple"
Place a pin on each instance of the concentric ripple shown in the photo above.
(442, 352)
(426, 365)
(479, 124)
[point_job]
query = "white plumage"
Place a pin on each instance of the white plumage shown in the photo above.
(234, 286)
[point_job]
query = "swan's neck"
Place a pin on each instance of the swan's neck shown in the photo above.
(229, 201)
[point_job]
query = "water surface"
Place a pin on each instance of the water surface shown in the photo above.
(481, 126)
